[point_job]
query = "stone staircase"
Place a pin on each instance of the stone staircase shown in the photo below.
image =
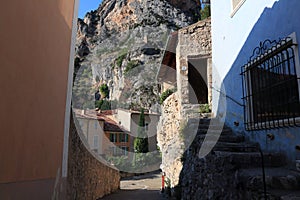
(243, 160)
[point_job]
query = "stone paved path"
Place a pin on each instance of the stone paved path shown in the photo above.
(145, 187)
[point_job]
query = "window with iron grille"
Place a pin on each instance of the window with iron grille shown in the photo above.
(271, 86)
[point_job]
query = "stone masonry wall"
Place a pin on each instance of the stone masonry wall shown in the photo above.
(193, 41)
(88, 177)
(169, 139)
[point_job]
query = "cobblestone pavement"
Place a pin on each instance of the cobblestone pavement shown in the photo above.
(145, 187)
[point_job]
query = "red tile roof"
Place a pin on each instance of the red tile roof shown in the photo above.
(109, 124)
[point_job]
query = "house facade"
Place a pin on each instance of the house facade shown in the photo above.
(36, 82)
(117, 140)
(255, 67)
(104, 136)
(92, 128)
(129, 119)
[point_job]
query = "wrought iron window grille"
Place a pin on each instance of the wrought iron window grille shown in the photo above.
(271, 86)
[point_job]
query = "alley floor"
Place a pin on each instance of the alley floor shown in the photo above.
(145, 187)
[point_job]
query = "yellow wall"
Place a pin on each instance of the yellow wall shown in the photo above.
(35, 52)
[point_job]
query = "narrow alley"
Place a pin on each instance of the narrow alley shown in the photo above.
(146, 187)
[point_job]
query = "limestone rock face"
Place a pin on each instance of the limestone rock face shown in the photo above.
(122, 42)
(170, 140)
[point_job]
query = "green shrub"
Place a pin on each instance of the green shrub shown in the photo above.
(130, 65)
(204, 108)
(104, 90)
(141, 141)
(120, 59)
(142, 160)
(103, 104)
(205, 12)
(165, 95)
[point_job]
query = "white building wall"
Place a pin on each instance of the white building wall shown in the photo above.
(229, 33)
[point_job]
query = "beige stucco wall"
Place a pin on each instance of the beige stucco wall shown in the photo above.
(90, 128)
(123, 116)
(130, 121)
(35, 52)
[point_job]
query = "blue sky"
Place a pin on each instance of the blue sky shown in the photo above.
(86, 6)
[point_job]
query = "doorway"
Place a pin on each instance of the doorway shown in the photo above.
(198, 80)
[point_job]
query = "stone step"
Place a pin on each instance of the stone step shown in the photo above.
(224, 131)
(237, 147)
(284, 194)
(224, 138)
(276, 178)
(211, 126)
(202, 121)
(229, 147)
(253, 159)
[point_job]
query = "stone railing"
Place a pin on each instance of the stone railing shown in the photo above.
(88, 176)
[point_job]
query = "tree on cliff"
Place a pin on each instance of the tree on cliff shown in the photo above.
(205, 12)
(104, 91)
(141, 141)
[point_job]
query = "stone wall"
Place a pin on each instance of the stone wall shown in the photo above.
(169, 139)
(211, 177)
(193, 41)
(88, 176)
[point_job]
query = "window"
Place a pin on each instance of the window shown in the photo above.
(113, 137)
(96, 124)
(113, 150)
(270, 86)
(236, 4)
(125, 150)
(96, 142)
(123, 137)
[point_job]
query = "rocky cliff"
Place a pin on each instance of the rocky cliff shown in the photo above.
(121, 44)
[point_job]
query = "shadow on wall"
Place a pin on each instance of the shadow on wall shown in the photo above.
(277, 22)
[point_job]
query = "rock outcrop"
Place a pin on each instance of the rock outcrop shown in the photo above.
(170, 140)
(121, 44)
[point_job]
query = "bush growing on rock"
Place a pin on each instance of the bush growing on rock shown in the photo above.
(104, 90)
(204, 108)
(165, 95)
(120, 59)
(131, 65)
